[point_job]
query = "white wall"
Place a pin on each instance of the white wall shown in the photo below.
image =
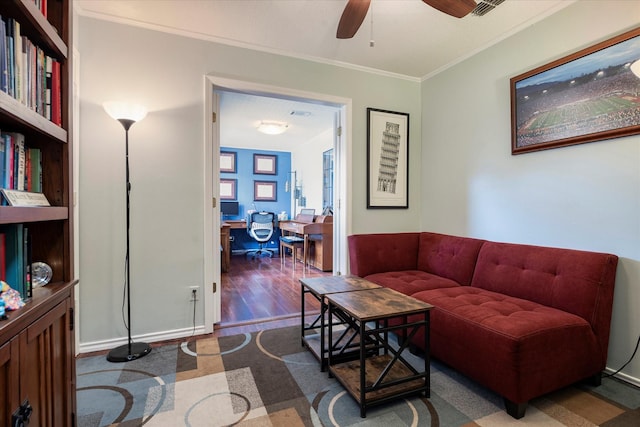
(166, 73)
(584, 197)
(307, 161)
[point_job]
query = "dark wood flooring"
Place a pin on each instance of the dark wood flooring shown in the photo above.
(260, 293)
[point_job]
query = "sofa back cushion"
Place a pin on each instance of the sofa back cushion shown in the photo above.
(578, 282)
(447, 256)
(382, 252)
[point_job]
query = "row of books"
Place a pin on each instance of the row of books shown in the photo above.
(28, 74)
(15, 259)
(20, 166)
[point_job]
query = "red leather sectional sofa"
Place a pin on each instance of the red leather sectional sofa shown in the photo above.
(521, 320)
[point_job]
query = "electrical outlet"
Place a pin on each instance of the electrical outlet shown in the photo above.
(193, 293)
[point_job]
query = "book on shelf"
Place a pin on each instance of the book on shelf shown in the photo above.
(4, 76)
(3, 160)
(10, 55)
(3, 252)
(20, 161)
(27, 73)
(17, 258)
(56, 93)
(21, 165)
(42, 6)
(34, 170)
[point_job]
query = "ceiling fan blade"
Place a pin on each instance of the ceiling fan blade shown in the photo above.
(352, 17)
(456, 8)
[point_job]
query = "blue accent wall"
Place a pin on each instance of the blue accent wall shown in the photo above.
(245, 192)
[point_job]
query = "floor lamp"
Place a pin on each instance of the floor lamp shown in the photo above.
(127, 115)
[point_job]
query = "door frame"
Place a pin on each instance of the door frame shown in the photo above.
(342, 178)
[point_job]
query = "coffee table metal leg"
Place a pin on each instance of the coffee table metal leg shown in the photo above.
(427, 355)
(330, 350)
(302, 329)
(363, 371)
(324, 361)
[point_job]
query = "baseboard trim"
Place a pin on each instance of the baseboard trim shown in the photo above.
(624, 377)
(103, 345)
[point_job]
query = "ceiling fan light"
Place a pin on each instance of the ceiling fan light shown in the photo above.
(272, 128)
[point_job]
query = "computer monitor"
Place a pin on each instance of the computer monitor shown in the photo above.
(229, 208)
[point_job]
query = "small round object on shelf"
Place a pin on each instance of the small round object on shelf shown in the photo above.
(41, 274)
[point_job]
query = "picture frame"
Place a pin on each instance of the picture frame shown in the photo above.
(265, 191)
(228, 162)
(587, 96)
(228, 189)
(388, 174)
(265, 164)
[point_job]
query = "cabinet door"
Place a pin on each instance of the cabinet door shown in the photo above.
(46, 369)
(9, 377)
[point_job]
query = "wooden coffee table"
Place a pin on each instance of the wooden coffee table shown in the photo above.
(316, 342)
(387, 375)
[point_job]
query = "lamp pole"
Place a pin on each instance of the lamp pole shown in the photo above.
(129, 351)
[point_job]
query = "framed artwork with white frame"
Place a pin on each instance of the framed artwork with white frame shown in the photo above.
(264, 164)
(265, 191)
(228, 189)
(228, 162)
(387, 159)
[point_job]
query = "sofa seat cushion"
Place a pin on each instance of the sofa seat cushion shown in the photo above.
(518, 347)
(411, 281)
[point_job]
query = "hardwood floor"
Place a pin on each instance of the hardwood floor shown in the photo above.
(259, 293)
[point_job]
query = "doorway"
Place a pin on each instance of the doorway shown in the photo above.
(216, 89)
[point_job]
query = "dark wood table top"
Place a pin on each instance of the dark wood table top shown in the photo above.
(376, 304)
(335, 284)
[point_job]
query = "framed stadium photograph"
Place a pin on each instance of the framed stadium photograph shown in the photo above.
(387, 159)
(591, 95)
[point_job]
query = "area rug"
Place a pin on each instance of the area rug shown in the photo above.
(268, 379)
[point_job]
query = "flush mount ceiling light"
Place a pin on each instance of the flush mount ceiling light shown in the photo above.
(272, 128)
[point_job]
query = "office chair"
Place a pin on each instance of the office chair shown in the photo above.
(260, 226)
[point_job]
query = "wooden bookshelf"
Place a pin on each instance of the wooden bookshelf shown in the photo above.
(37, 348)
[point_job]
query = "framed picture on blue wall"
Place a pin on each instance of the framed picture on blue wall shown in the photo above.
(264, 164)
(265, 191)
(228, 189)
(228, 162)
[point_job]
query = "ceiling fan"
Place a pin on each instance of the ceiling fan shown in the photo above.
(355, 11)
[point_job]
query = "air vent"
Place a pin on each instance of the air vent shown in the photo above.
(486, 6)
(300, 113)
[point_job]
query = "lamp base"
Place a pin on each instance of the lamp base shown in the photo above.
(122, 354)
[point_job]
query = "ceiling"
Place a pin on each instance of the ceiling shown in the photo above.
(410, 40)
(241, 114)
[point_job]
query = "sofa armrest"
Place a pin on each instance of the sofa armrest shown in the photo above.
(382, 252)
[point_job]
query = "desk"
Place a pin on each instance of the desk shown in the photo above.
(236, 223)
(225, 245)
(318, 240)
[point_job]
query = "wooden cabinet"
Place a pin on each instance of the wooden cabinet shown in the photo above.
(37, 341)
(37, 363)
